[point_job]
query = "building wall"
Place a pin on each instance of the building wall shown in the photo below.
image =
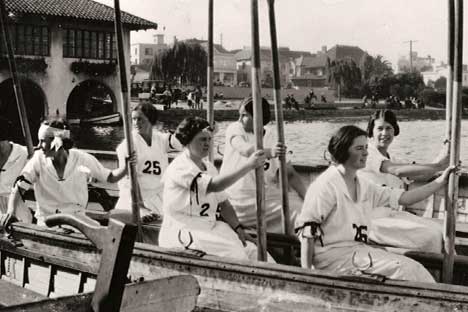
(58, 81)
(139, 53)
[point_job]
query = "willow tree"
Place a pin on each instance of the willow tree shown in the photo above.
(185, 63)
(344, 75)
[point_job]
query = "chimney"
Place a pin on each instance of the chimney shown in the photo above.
(159, 39)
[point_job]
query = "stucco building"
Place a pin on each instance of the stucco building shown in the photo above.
(66, 55)
(143, 53)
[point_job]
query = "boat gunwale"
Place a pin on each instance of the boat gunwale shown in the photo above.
(258, 270)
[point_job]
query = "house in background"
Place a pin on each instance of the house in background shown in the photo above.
(418, 63)
(143, 53)
(66, 55)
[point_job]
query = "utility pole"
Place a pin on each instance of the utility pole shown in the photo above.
(411, 54)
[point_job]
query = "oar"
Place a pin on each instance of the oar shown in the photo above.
(135, 190)
(258, 131)
(16, 82)
(450, 51)
(452, 198)
(209, 84)
(279, 120)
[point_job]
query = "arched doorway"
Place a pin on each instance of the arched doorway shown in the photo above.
(35, 102)
(90, 98)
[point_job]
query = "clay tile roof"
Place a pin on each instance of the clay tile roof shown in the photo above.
(76, 9)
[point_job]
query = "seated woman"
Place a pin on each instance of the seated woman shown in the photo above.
(398, 228)
(197, 214)
(335, 218)
(151, 147)
(13, 157)
(240, 144)
(59, 175)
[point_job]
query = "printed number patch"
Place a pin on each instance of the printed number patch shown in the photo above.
(152, 167)
(204, 209)
(361, 235)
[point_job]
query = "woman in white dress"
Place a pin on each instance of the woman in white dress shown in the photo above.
(399, 228)
(334, 221)
(197, 214)
(59, 175)
(240, 144)
(151, 147)
(13, 157)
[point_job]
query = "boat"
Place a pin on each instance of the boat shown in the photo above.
(111, 119)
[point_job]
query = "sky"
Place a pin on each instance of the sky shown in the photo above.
(377, 26)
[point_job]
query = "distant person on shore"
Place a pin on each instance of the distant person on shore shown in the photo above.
(198, 98)
(323, 99)
(335, 219)
(197, 213)
(240, 145)
(59, 175)
(399, 228)
(13, 157)
(151, 147)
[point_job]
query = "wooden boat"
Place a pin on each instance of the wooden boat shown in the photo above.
(111, 119)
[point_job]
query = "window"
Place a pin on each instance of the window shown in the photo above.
(88, 44)
(28, 40)
(148, 51)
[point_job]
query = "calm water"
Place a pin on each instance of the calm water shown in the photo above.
(418, 140)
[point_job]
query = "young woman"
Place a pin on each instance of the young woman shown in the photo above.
(59, 175)
(197, 214)
(240, 144)
(151, 147)
(335, 218)
(13, 157)
(399, 228)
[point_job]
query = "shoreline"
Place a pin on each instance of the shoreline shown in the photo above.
(329, 115)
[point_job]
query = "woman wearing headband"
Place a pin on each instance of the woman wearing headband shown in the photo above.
(13, 157)
(58, 174)
(197, 214)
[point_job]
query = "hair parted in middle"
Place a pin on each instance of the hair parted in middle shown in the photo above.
(386, 115)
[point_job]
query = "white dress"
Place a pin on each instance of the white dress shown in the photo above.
(66, 195)
(9, 172)
(242, 194)
(190, 213)
(398, 228)
(345, 224)
(152, 162)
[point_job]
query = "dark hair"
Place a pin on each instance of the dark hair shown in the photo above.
(386, 115)
(60, 123)
(248, 106)
(148, 110)
(5, 126)
(342, 140)
(189, 128)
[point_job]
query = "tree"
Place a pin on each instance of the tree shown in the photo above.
(185, 63)
(345, 75)
(440, 84)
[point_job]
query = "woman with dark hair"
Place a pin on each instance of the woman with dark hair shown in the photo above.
(151, 147)
(13, 157)
(240, 144)
(335, 218)
(59, 175)
(398, 228)
(197, 214)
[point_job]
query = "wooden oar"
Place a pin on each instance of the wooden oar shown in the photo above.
(279, 118)
(209, 84)
(258, 131)
(16, 82)
(135, 190)
(452, 198)
(450, 51)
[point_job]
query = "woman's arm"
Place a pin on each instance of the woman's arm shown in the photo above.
(13, 202)
(221, 182)
(415, 195)
(246, 149)
(229, 216)
(307, 252)
(296, 182)
(117, 174)
(410, 170)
